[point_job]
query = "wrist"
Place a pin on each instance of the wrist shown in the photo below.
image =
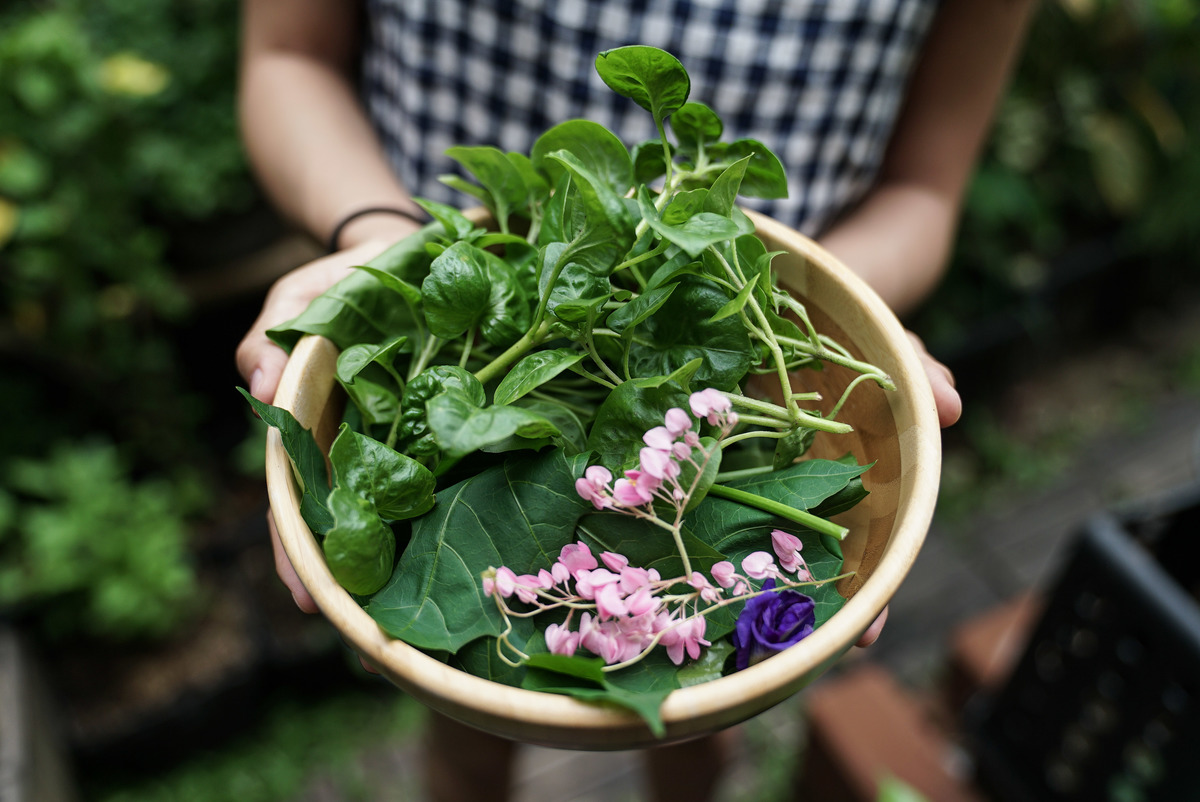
(383, 223)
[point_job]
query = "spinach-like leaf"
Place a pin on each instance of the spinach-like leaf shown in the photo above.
(354, 310)
(360, 547)
(764, 177)
(503, 181)
(533, 371)
(519, 514)
(626, 414)
(468, 286)
(695, 124)
(596, 222)
(397, 486)
(652, 78)
(683, 330)
(307, 460)
(593, 145)
(461, 427)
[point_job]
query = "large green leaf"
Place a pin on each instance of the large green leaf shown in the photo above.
(519, 514)
(461, 427)
(652, 78)
(354, 310)
(360, 547)
(593, 145)
(398, 486)
(307, 460)
(683, 330)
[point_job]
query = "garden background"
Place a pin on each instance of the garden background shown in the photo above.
(135, 251)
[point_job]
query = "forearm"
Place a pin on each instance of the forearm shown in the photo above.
(898, 240)
(306, 135)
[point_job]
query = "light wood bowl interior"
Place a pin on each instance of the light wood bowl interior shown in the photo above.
(898, 431)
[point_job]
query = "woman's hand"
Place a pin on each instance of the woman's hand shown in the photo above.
(261, 361)
(949, 409)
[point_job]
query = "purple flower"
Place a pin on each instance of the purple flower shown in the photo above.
(770, 623)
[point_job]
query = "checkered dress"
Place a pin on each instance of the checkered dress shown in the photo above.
(820, 82)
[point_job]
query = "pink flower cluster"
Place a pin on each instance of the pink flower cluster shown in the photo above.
(625, 610)
(666, 446)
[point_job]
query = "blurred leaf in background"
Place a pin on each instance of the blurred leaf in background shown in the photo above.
(88, 550)
(1092, 165)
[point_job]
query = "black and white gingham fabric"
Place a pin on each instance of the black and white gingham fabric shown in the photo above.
(820, 82)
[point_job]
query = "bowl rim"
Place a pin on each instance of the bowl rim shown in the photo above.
(559, 720)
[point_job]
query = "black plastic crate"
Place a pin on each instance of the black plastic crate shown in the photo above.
(1104, 704)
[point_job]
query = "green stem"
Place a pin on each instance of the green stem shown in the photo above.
(802, 517)
(529, 340)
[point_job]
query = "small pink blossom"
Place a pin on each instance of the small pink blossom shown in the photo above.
(562, 640)
(709, 404)
(593, 486)
(760, 565)
(686, 636)
(588, 583)
(506, 581)
(657, 463)
(681, 451)
(577, 557)
(613, 561)
(724, 573)
(545, 579)
(634, 578)
(642, 601)
(609, 603)
(560, 573)
(707, 592)
(677, 421)
(526, 588)
(489, 585)
(659, 438)
(691, 439)
(636, 489)
(788, 547)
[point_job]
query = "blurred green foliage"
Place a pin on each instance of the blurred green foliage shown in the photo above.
(1094, 143)
(85, 549)
(117, 126)
(116, 120)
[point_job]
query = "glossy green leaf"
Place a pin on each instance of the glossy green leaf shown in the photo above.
(652, 78)
(354, 310)
(307, 459)
(519, 514)
(695, 124)
(681, 331)
(628, 413)
(497, 174)
(360, 547)
(397, 486)
(533, 371)
(461, 427)
(593, 145)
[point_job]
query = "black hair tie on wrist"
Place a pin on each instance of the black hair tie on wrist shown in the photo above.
(334, 247)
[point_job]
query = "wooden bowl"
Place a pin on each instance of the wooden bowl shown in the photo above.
(898, 431)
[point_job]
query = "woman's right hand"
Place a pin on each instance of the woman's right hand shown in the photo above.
(260, 361)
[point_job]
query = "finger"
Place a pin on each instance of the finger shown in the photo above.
(873, 631)
(287, 572)
(941, 381)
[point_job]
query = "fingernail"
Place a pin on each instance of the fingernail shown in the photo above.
(256, 382)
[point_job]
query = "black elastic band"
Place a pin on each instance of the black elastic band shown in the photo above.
(334, 246)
